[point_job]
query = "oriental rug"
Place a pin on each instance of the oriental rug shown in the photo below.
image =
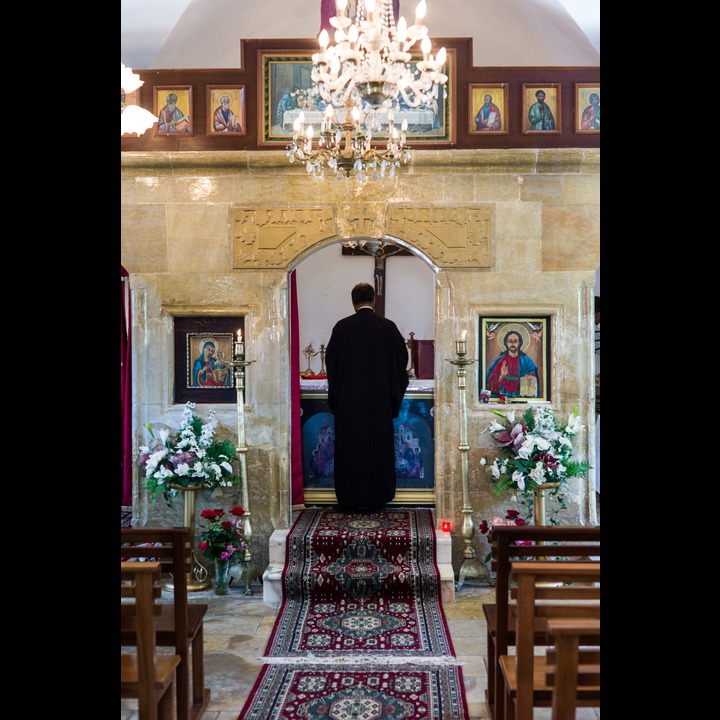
(361, 632)
(314, 692)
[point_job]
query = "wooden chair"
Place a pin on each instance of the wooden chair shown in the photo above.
(145, 674)
(569, 666)
(545, 590)
(180, 623)
(573, 541)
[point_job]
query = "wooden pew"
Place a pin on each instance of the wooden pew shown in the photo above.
(570, 666)
(145, 674)
(180, 623)
(574, 541)
(555, 589)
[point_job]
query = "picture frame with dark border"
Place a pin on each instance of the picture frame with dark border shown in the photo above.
(182, 124)
(217, 383)
(496, 124)
(285, 89)
(526, 379)
(587, 113)
(530, 105)
(236, 123)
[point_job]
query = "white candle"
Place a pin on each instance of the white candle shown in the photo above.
(460, 345)
(239, 346)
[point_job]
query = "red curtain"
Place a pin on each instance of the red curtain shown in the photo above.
(296, 467)
(125, 388)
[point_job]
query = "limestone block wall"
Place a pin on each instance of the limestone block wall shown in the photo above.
(216, 233)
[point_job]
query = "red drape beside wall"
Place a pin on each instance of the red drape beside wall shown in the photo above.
(125, 388)
(296, 467)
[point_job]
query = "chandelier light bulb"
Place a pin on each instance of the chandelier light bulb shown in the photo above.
(401, 34)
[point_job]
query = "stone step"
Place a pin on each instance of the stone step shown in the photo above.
(272, 577)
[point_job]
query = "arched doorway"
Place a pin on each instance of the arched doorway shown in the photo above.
(324, 278)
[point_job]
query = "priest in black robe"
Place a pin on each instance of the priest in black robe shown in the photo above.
(366, 361)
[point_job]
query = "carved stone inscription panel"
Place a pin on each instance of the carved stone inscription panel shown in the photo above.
(456, 237)
(271, 238)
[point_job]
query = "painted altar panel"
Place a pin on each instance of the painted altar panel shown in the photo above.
(414, 449)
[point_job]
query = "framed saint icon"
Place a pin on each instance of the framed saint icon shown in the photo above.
(514, 360)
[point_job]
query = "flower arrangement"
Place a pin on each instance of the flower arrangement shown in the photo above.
(223, 538)
(193, 457)
(536, 450)
(512, 517)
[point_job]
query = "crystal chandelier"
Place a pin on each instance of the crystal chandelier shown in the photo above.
(367, 75)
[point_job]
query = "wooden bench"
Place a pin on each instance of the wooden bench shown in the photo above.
(555, 589)
(180, 623)
(570, 666)
(574, 541)
(145, 674)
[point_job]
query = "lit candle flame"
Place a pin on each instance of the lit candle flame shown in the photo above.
(239, 335)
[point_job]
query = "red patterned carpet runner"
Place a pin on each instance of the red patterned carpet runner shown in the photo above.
(361, 631)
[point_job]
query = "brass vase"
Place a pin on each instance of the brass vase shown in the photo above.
(539, 503)
(198, 576)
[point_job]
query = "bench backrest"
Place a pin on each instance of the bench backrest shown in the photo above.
(554, 589)
(567, 541)
(140, 594)
(171, 548)
(570, 666)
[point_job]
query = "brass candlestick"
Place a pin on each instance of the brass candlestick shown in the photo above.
(471, 566)
(311, 352)
(238, 364)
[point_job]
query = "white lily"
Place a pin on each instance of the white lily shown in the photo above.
(574, 424)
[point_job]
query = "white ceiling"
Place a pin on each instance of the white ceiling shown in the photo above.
(504, 32)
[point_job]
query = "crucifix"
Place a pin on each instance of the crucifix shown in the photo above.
(380, 254)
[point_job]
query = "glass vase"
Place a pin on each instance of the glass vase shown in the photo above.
(222, 577)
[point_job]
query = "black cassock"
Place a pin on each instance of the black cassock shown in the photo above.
(366, 361)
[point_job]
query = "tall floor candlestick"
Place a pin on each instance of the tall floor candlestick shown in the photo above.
(471, 566)
(239, 363)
